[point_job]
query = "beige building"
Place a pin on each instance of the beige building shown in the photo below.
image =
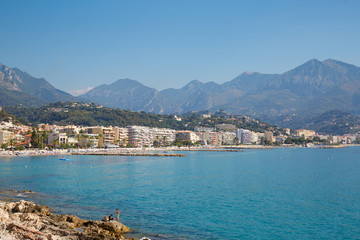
(120, 136)
(269, 136)
(5, 136)
(304, 133)
(71, 129)
(287, 131)
(188, 135)
(212, 138)
(19, 138)
(106, 134)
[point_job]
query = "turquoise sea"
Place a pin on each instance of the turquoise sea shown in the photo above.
(255, 194)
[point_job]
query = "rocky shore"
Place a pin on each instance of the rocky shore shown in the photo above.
(27, 220)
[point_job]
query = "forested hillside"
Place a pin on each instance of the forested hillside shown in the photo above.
(92, 114)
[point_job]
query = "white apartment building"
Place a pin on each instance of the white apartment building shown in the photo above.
(203, 129)
(165, 135)
(57, 138)
(228, 138)
(140, 136)
(6, 125)
(245, 136)
(19, 138)
(72, 140)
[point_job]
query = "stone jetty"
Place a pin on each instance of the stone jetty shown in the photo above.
(27, 220)
(132, 154)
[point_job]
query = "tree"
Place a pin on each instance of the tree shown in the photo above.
(156, 143)
(44, 137)
(55, 142)
(130, 145)
(12, 143)
(19, 148)
(34, 139)
(164, 141)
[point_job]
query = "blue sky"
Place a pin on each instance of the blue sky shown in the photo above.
(167, 43)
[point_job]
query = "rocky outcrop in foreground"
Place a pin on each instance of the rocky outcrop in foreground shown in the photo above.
(27, 220)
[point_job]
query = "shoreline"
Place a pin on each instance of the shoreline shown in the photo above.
(155, 152)
(28, 220)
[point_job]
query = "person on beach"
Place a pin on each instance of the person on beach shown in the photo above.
(111, 217)
(117, 215)
(106, 218)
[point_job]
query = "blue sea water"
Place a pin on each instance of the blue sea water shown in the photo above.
(255, 194)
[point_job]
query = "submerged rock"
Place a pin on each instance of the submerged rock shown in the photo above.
(27, 220)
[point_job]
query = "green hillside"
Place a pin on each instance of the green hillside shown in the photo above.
(333, 122)
(92, 115)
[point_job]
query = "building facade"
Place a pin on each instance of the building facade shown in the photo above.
(5, 136)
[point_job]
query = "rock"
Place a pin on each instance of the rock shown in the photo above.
(27, 220)
(114, 226)
(29, 207)
(4, 215)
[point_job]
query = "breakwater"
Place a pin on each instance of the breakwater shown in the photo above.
(210, 150)
(135, 154)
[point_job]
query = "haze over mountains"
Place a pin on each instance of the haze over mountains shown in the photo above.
(309, 89)
(312, 88)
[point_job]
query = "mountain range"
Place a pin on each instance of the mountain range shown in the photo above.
(20, 88)
(309, 89)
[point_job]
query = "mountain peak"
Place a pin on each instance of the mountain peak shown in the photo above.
(36, 90)
(126, 83)
(195, 81)
(330, 60)
(193, 84)
(313, 61)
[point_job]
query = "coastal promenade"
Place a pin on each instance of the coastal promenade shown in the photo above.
(155, 152)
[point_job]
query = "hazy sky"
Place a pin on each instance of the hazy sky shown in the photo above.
(167, 43)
